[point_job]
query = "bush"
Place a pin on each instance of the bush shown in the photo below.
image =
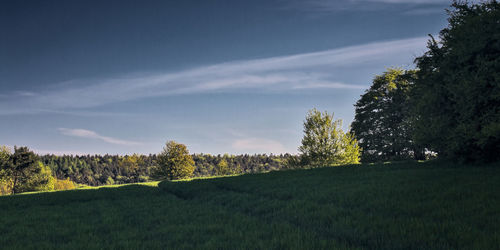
(66, 184)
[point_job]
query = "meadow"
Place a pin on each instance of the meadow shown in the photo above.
(431, 205)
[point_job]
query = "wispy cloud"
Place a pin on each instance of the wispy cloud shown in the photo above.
(324, 6)
(408, 1)
(322, 69)
(424, 11)
(93, 135)
(258, 145)
(328, 85)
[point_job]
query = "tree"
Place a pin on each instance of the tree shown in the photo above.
(129, 165)
(5, 180)
(26, 173)
(41, 180)
(382, 124)
(174, 162)
(457, 91)
(325, 144)
(222, 167)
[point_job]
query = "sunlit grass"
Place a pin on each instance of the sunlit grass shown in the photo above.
(151, 184)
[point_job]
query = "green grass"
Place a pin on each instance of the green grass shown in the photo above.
(391, 206)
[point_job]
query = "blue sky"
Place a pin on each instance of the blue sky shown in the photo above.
(121, 77)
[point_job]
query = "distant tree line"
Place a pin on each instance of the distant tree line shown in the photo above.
(449, 105)
(24, 171)
(98, 170)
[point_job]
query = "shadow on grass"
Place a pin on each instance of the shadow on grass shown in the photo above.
(200, 187)
(404, 205)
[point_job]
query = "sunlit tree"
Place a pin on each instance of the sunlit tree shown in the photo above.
(222, 167)
(5, 166)
(174, 162)
(325, 144)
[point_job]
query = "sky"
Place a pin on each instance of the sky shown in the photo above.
(122, 77)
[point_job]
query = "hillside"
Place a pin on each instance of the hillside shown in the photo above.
(388, 206)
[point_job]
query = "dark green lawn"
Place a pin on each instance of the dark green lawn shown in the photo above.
(391, 206)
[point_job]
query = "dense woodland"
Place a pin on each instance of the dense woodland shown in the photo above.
(449, 106)
(114, 169)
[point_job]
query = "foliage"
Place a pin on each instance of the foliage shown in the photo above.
(130, 164)
(65, 184)
(174, 162)
(457, 92)
(223, 167)
(5, 180)
(23, 168)
(429, 205)
(4, 156)
(325, 144)
(110, 181)
(22, 172)
(41, 181)
(382, 123)
(95, 170)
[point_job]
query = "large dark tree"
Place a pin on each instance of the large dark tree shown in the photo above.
(382, 123)
(457, 92)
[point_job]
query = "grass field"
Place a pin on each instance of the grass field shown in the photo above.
(391, 206)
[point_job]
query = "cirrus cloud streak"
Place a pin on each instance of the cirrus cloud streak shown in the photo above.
(335, 68)
(84, 133)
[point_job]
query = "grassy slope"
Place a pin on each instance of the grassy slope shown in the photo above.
(393, 206)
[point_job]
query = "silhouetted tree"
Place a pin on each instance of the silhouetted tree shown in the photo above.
(382, 122)
(457, 91)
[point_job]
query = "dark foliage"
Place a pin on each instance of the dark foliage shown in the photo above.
(382, 123)
(23, 167)
(457, 92)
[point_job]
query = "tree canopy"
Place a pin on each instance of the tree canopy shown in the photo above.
(325, 144)
(174, 162)
(382, 123)
(457, 91)
(21, 171)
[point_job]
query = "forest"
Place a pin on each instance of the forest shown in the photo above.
(98, 170)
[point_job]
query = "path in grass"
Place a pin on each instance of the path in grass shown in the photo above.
(394, 206)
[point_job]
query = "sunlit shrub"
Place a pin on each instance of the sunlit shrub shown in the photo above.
(64, 184)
